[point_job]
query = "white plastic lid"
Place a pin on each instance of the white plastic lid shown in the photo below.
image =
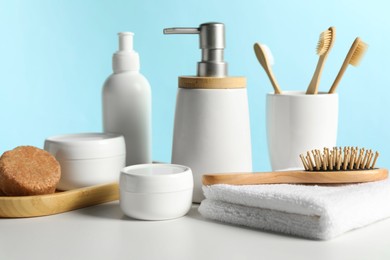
(125, 59)
(86, 146)
(156, 178)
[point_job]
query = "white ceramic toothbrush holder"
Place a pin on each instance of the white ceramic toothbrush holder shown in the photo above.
(297, 123)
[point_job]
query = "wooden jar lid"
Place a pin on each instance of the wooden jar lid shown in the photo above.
(193, 82)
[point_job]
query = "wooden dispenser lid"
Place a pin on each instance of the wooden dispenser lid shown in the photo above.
(193, 82)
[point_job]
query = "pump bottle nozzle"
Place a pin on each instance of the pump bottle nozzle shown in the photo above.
(212, 43)
(125, 41)
(125, 59)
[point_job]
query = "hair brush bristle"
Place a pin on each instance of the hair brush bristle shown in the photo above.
(325, 41)
(339, 159)
(359, 52)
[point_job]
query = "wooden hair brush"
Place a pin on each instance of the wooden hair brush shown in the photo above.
(338, 165)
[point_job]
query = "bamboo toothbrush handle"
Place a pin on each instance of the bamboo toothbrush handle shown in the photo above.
(264, 62)
(344, 66)
(308, 177)
(274, 83)
(338, 78)
(315, 81)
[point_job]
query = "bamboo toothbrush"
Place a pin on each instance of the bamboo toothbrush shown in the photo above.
(264, 56)
(354, 56)
(324, 45)
(348, 165)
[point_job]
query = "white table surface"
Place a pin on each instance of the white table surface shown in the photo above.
(103, 232)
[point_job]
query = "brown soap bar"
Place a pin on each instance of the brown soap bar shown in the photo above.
(27, 170)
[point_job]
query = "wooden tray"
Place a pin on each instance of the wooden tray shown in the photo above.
(43, 205)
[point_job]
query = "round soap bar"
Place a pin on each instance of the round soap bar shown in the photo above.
(27, 170)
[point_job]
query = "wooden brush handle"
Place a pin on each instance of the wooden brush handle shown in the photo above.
(309, 177)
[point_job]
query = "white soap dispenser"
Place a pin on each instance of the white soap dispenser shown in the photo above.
(127, 102)
(212, 129)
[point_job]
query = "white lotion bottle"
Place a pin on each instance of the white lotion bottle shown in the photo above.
(127, 102)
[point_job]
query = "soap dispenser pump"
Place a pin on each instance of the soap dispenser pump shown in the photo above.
(212, 128)
(212, 44)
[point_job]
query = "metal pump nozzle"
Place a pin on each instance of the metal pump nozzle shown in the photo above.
(212, 43)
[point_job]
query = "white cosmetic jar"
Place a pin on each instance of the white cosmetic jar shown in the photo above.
(87, 159)
(156, 191)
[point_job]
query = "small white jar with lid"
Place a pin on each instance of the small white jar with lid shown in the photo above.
(87, 159)
(156, 191)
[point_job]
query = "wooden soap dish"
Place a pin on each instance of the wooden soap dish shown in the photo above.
(62, 201)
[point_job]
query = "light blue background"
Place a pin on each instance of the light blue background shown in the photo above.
(55, 56)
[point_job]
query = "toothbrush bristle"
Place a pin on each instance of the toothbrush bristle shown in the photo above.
(325, 41)
(358, 54)
(268, 53)
(339, 159)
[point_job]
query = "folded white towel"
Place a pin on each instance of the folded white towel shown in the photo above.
(316, 212)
